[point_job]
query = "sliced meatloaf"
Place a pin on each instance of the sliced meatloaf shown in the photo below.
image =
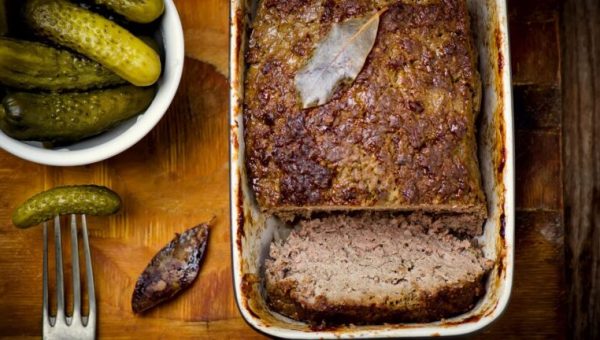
(401, 137)
(373, 268)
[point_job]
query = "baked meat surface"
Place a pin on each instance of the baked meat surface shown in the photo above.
(402, 137)
(373, 268)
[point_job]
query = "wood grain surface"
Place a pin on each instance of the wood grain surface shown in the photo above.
(173, 179)
(177, 177)
(537, 307)
(581, 112)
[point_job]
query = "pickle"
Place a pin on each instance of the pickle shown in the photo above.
(141, 11)
(95, 37)
(70, 117)
(78, 199)
(32, 65)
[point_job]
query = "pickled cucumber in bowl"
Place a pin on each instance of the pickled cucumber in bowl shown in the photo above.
(70, 71)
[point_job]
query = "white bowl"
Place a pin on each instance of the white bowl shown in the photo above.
(126, 134)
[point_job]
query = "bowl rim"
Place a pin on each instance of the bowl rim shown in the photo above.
(142, 124)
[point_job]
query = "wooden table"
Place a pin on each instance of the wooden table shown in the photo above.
(177, 177)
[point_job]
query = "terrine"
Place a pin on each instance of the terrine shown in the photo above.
(253, 228)
(402, 137)
(371, 268)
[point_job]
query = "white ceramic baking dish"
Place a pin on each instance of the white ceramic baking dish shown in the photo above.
(252, 232)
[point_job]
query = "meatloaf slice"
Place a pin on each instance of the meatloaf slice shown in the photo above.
(373, 268)
(402, 137)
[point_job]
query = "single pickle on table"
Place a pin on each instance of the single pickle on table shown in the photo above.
(78, 199)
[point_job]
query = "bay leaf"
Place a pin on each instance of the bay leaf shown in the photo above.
(337, 59)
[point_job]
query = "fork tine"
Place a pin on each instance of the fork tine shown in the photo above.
(60, 292)
(75, 262)
(45, 311)
(91, 321)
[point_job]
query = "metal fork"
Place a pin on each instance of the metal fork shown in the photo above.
(75, 326)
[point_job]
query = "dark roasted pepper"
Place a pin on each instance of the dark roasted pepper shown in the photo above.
(172, 269)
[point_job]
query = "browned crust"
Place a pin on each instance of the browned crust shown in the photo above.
(381, 143)
(443, 304)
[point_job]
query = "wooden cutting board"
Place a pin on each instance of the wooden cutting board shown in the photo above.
(173, 179)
